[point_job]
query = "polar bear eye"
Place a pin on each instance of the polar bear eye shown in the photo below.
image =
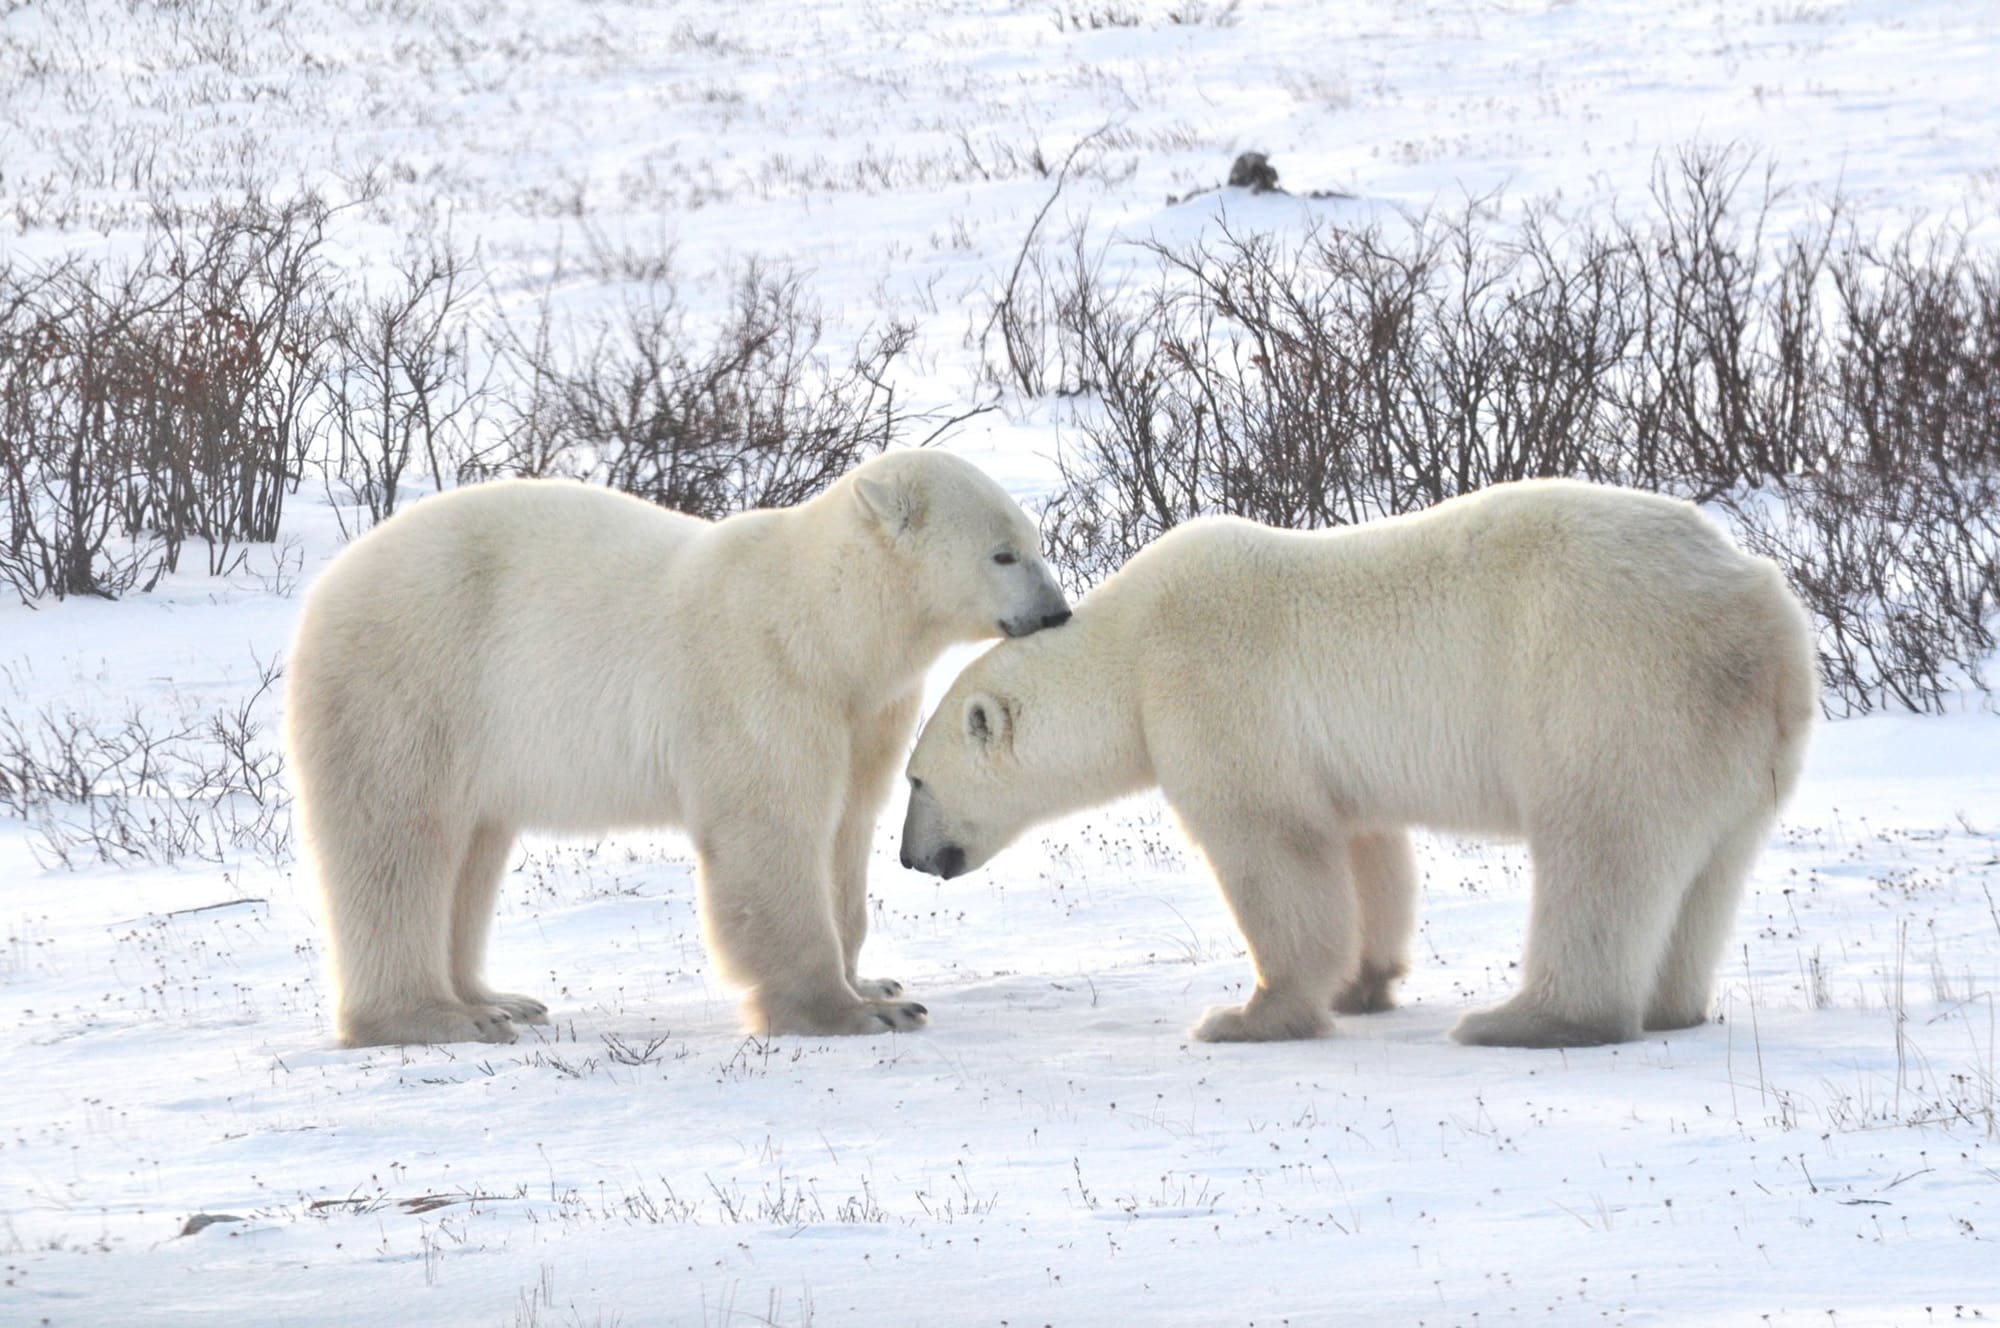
(1006, 558)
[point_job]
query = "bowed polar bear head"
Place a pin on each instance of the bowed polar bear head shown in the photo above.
(973, 790)
(973, 556)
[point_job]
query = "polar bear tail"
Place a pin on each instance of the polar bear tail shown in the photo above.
(1796, 696)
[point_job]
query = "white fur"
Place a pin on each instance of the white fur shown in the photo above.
(1595, 669)
(544, 655)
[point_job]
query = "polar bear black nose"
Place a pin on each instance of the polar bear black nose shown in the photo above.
(1056, 619)
(906, 859)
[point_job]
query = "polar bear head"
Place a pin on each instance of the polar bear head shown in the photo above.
(1030, 730)
(973, 558)
(965, 782)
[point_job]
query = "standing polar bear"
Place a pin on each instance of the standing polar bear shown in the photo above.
(1595, 669)
(546, 655)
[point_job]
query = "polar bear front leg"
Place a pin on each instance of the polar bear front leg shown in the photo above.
(850, 894)
(1385, 888)
(767, 915)
(878, 749)
(1293, 899)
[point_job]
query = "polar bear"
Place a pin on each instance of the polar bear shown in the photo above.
(1598, 670)
(547, 655)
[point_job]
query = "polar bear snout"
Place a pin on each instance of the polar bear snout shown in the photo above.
(928, 846)
(1027, 626)
(943, 863)
(1046, 608)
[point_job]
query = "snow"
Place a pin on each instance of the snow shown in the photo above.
(1052, 1149)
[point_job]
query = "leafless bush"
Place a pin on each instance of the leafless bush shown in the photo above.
(750, 417)
(166, 400)
(1034, 331)
(182, 396)
(1179, 13)
(1348, 377)
(400, 383)
(1727, 326)
(1837, 396)
(1089, 18)
(1901, 569)
(143, 790)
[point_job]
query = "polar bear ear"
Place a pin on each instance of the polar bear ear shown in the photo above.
(893, 501)
(989, 721)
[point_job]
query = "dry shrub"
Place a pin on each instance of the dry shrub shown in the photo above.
(144, 788)
(161, 401)
(400, 382)
(183, 395)
(750, 415)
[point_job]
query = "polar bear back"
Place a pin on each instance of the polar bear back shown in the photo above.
(1419, 665)
(510, 629)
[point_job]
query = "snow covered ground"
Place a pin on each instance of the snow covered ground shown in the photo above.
(1053, 1149)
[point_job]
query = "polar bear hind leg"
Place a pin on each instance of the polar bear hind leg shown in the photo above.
(1385, 887)
(1605, 901)
(1685, 982)
(1292, 895)
(480, 873)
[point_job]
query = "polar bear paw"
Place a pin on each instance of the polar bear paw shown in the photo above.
(430, 1023)
(1369, 992)
(1522, 1023)
(1665, 1016)
(901, 1016)
(490, 1023)
(522, 1009)
(1261, 1021)
(837, 1018)
(879, 989)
